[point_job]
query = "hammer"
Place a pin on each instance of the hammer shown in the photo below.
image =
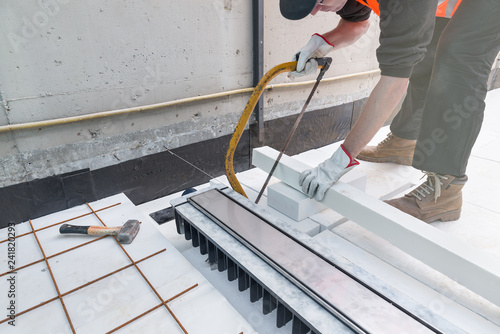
(124, 234)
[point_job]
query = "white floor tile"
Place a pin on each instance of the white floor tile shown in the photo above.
(483, 186)
(113, 300)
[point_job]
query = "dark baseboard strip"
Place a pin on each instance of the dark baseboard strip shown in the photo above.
(142, 179)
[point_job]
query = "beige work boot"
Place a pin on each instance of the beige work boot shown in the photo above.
(391, 149)
(438, 198)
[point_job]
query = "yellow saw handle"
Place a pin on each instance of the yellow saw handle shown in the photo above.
(245, 116)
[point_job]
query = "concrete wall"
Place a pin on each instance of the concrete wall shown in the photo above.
(65, 58)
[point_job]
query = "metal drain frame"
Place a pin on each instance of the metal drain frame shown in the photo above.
(257, 289)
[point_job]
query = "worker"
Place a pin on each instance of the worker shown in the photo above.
(399, 146)
(454, 103)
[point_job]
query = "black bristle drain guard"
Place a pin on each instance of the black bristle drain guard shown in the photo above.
(217, 255)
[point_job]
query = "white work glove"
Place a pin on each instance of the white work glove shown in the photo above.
(316, 181)
(317, 47)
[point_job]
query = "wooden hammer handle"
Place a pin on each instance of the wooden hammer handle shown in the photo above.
(90, 230)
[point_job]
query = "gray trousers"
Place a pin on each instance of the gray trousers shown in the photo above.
(444, 105)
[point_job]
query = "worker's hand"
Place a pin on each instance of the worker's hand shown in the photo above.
(316, 181)
(317, 47)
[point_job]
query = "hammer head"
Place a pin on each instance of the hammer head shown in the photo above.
(128, 231)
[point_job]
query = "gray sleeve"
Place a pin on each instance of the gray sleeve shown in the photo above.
(406, 28)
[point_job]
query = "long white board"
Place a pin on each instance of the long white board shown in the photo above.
(470, 267)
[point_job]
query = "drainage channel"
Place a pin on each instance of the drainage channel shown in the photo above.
(357, 306)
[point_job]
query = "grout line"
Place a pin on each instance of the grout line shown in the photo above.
(31, 308)
(54, 255)
(53, 279)
(134, 319)
(142, 274)
(151, 309)
(84, 285)
(67, 220)
(484, 158)
(482, 207)
(112, 273)
(22, 267)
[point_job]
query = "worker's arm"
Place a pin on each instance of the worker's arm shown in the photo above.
(406, 30)
(382, 101)
(345, 34)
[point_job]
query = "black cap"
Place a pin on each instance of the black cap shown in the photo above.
(296, 9)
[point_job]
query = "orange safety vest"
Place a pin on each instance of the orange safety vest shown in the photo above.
(372, 4)
(445, 8)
